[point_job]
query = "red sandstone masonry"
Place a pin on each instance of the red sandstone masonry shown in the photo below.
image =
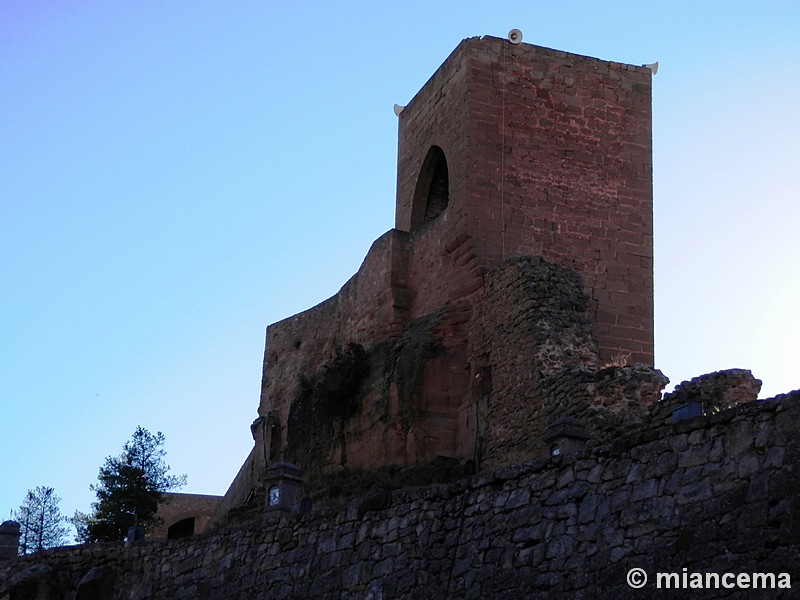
(372, 305)
(548, 153)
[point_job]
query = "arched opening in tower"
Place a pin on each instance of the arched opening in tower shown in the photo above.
(433, 189)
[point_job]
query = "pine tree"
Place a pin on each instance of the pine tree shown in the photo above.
(42, 525)
(131, 487)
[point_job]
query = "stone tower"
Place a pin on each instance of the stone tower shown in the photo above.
(547, 153)
(522, 250)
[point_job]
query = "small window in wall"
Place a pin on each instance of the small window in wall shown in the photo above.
(432, 193)
(180, 529)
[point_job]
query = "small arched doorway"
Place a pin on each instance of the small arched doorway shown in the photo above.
(181, 529)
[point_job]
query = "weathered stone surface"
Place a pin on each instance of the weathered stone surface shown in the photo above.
(9, 540)
(717, 391)
(494, 536)
(484, 315)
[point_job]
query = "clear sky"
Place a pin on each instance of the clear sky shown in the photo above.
(176, 175)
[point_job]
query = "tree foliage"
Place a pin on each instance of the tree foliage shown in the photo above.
(42, 525)
(129, 490)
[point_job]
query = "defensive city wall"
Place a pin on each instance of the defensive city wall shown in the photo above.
(718, 493)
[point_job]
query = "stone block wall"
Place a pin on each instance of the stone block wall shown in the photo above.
(479, 379)
(371, 306)
(550, 154)
(177, 508)
(718, 493)
(546, 153)
(536, 360)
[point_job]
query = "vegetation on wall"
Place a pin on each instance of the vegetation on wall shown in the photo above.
(404, 365)
(327, 400)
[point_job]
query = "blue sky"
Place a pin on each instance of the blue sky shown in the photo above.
(174, 176)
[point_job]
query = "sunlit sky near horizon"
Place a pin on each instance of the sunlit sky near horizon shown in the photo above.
(174, 176)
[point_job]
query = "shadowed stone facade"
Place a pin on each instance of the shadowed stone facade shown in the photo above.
(719, 493)
(184, 515)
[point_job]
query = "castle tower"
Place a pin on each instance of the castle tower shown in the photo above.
(518, 166)
(514, 149)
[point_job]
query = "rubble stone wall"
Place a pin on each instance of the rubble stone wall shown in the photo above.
(718, 493)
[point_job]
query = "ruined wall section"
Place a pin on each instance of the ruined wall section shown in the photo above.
(718, 494)
(534, 360)
(532, 322)
(479, 379)
(405, 279)
(717, 391)
(372, 305)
